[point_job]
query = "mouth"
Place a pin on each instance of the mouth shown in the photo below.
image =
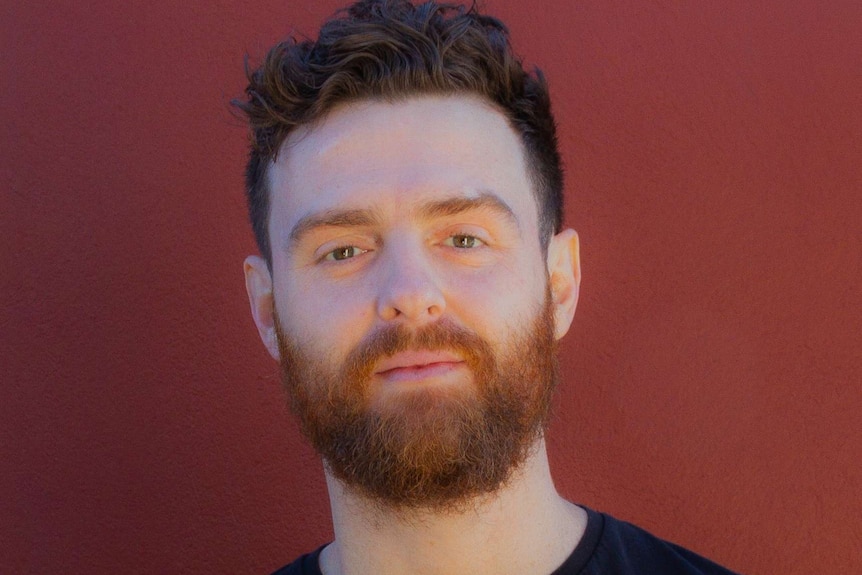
(417, 365)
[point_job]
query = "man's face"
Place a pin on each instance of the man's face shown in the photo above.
(415, 321)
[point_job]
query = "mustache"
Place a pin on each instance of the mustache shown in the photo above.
(392, 339)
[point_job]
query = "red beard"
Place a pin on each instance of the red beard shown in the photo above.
(433, 449)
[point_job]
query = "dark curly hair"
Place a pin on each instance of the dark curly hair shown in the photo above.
(390, 50)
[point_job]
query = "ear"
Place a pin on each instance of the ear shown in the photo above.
(258, 285)
(564, 273)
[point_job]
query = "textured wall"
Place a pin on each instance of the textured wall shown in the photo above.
(712, 377)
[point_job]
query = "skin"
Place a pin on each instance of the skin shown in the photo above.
(414, 212)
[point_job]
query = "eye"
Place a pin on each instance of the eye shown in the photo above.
(343, 253)
(463, 241)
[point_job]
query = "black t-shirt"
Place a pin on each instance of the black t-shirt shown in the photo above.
(608, 547)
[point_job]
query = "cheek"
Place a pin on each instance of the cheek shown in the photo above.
(328, 320)
(499, 297)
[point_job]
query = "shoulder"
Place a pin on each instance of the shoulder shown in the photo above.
(307, 564)
(611, 546)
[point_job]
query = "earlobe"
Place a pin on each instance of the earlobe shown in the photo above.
(258, 285)
(564, 273)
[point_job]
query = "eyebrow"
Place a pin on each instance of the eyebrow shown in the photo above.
(487, 201)
(355, 218)
(351, 218)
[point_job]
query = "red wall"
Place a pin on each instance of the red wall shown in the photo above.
(713, 375)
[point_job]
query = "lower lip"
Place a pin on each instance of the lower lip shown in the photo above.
(419, 373)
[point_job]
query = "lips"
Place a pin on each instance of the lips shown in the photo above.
(417, 365)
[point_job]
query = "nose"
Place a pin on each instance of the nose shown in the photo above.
(409, 289)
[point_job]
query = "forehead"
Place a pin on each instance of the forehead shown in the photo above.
(392, 155)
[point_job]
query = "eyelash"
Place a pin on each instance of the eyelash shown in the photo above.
(331, 256)
(473, 240)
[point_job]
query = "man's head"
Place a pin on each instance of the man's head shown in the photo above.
(390, 50)
(410, 294)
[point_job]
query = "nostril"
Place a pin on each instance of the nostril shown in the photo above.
(413, 301)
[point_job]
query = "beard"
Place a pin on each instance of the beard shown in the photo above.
(426, 447)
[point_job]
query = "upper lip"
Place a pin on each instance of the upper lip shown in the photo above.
(418, 358)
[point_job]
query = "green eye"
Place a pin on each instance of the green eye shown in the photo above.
(463, 241)
(343, 253)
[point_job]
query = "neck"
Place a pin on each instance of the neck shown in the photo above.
(524, 527)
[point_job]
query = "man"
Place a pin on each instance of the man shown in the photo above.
(405, 191)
